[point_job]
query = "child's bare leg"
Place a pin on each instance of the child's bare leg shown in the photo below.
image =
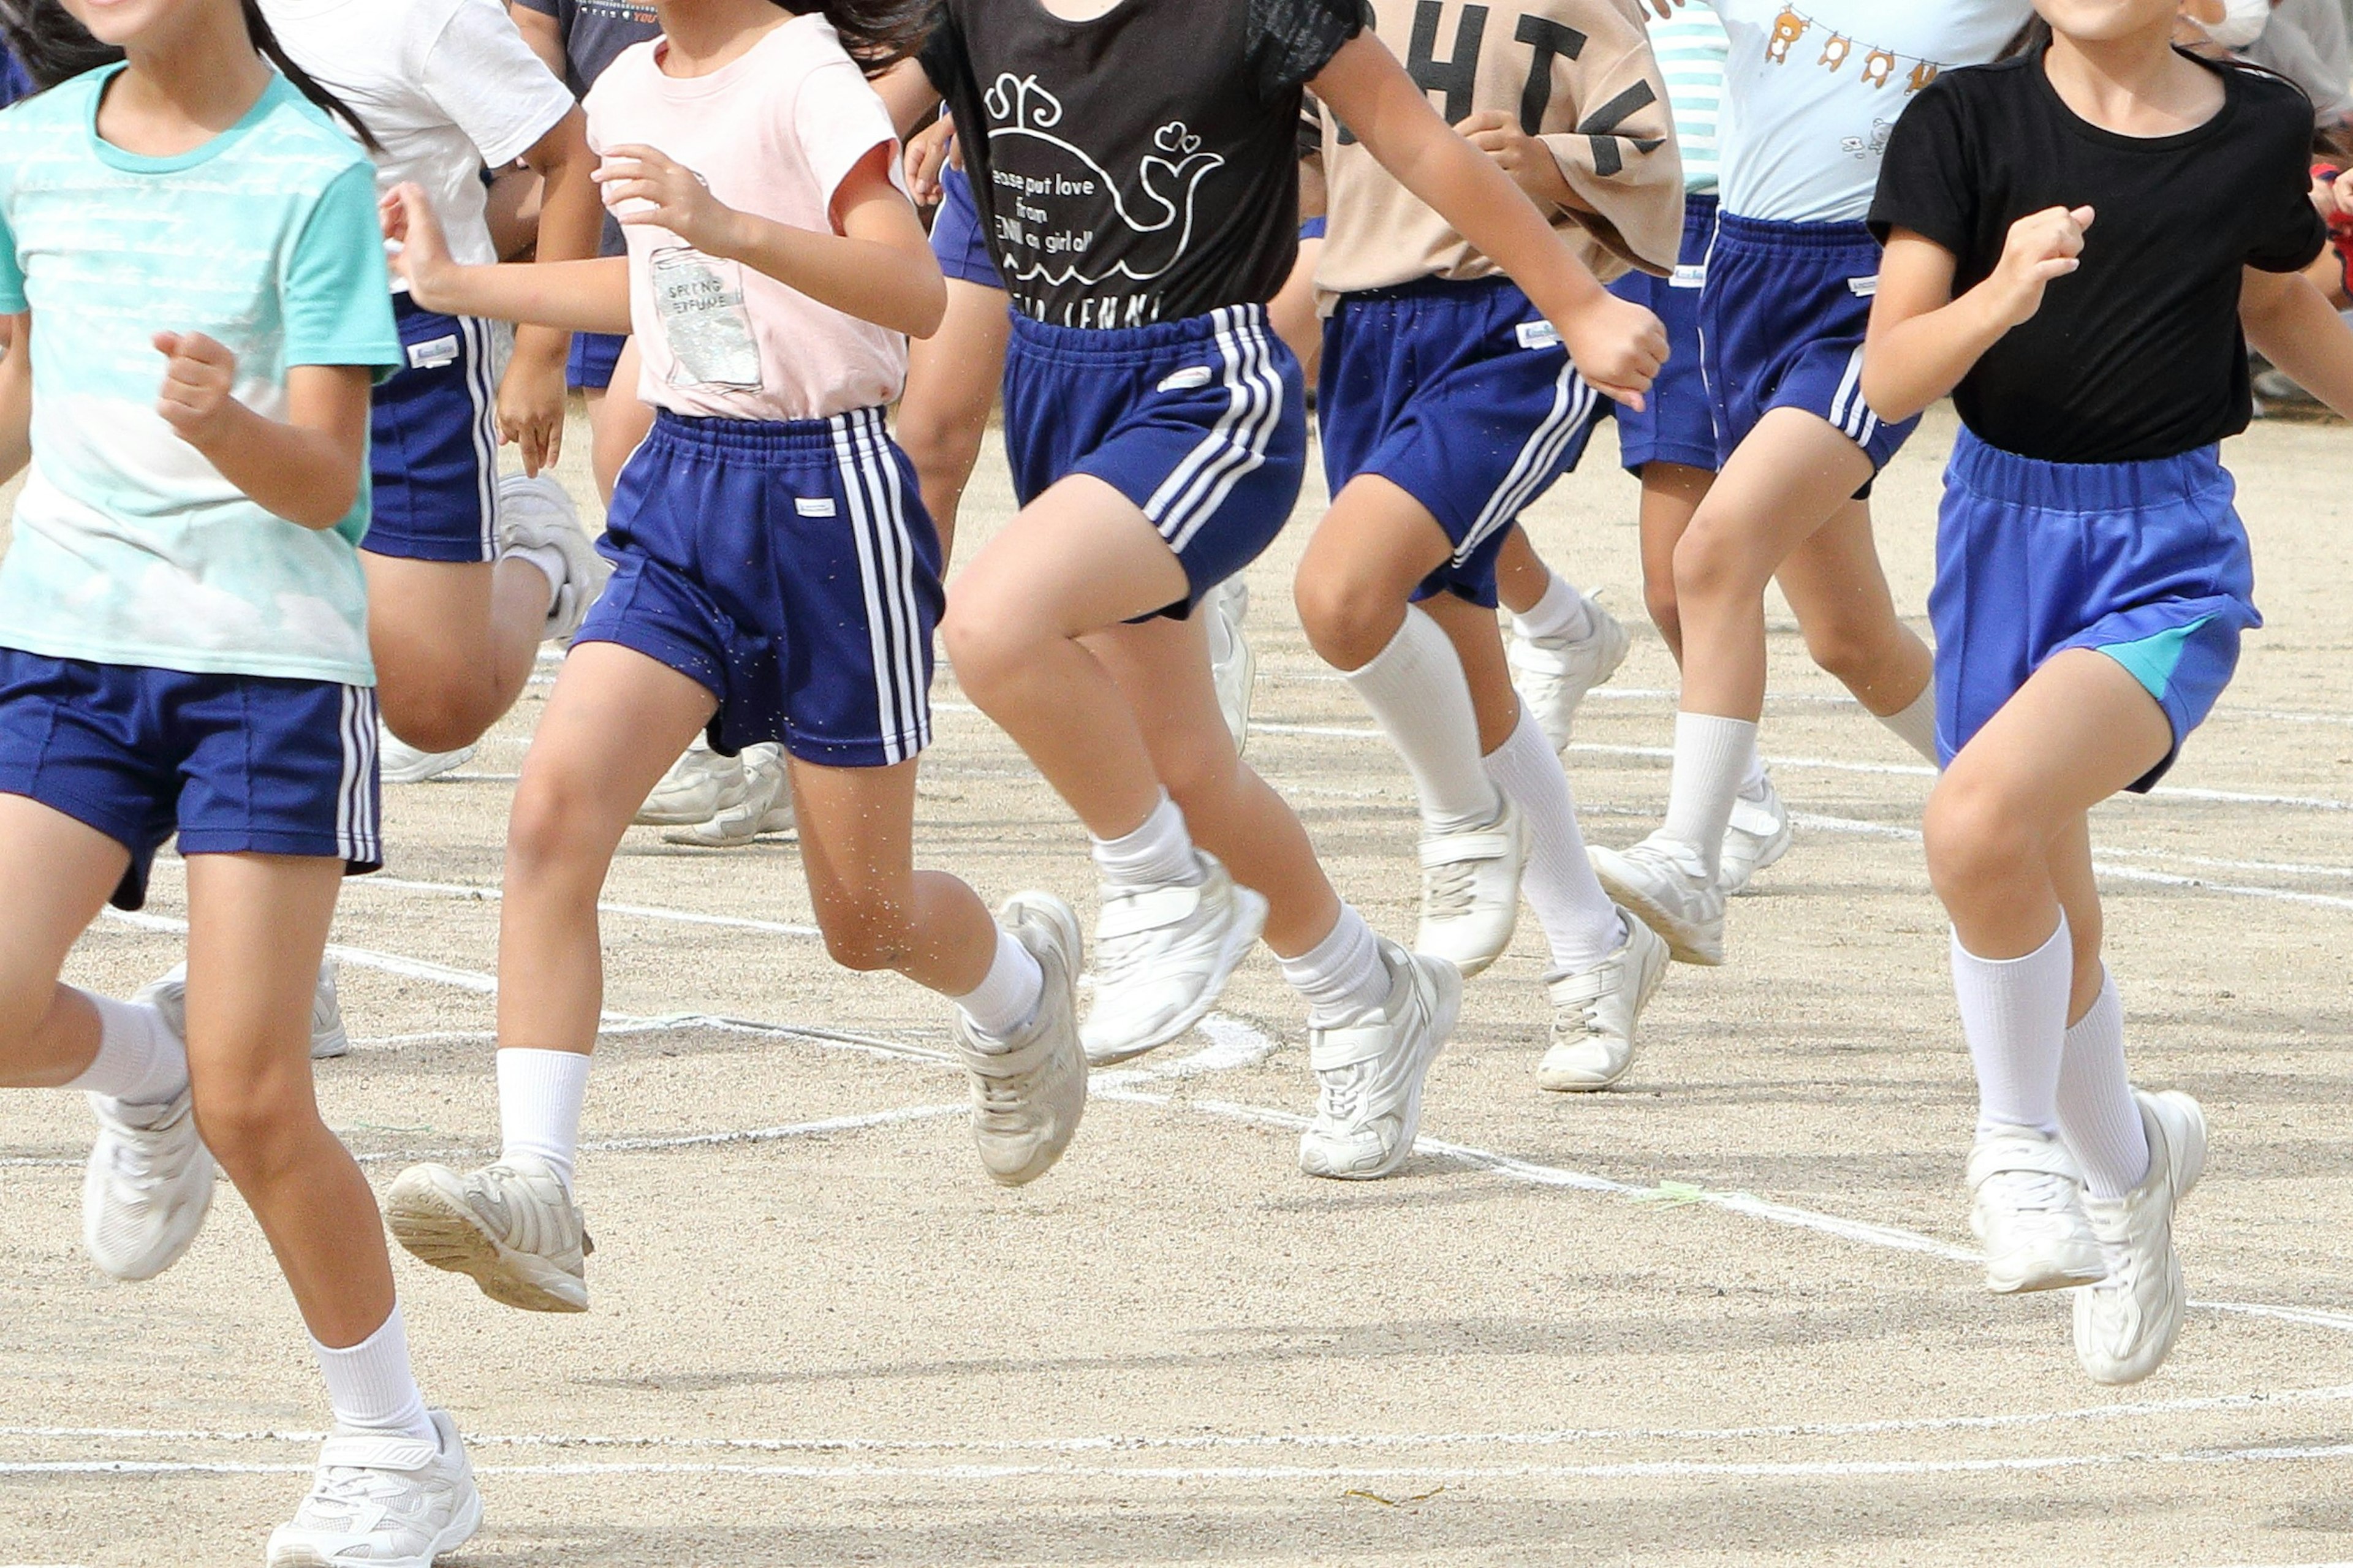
(1835, 583)
(64, 872)
(953, 378)
(877, 910)
(618, 421)
(1671, 493)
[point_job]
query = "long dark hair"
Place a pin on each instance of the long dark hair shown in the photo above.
(2031, 39)
(878, 34)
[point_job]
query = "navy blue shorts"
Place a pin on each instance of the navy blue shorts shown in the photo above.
(788, 569)
(235, 764)
(956, 236)
(1201, 423)
(1461, 396)
(1677, 423)
(1781, 320)
(595, 357)
(434, 445)
(2147, 563)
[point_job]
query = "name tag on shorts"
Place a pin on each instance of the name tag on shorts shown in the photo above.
(433, 355)
(1538, 335)
(1689, 276)
(1192, 378)
(820, 507)
(1863, 288)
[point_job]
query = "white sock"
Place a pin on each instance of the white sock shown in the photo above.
(1578, 919)
(139, 1061)
(1559, 614)
(549, 561)
(539, 1097)
(1008, 994)
(371, 1386)
(2014, 1017)
(2098, 1115)
(1159, 854)
(1342, 975)
(1915, 726)
(1759, 780)
(1712, 758)
(1417, 689)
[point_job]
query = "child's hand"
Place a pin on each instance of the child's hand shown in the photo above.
(932, 150)
(423, 259)
(1617, 346)
(658, 190)
(1528, 161)
(2333, 197)
(199, 384)
(1666, 8)
(2043, 246)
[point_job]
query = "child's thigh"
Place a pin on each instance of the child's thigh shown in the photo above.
(60, 873)
(2081, 728)
(1078, 558)
(856, 834)
(257, 930)
(615, 724)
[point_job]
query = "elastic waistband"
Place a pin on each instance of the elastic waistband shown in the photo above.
(1478, 289)
(1125, 345)
(769, 438)
(1700, 212)
(1820, 239)
(2002, 475)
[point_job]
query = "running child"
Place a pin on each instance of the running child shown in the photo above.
(1137, 161)
(1447, 407)
(1810, 96)
(775, 580)
(196, 421)
(467, 574)
(2074, 238)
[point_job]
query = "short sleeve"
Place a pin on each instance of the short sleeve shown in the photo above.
(1291, 42)
(12, 273)
(1924, 182)
(337, 300)
(2285, 231)
(482, 74)
(839, 121)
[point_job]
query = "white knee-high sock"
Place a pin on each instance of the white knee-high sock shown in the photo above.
(1581, 923)
(371, 1384)
(1916, 724)
(1712, 758)
(1341, 976)
(2098, 1117)
(139, 1061)
(540, 1096)
(2014, 1017)
(1417, 689)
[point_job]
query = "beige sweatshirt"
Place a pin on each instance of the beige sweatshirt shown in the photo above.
(1577, 73)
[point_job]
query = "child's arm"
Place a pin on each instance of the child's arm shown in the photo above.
(878, 268)
(2294, 327)
(571, 225)
(1617, 346)
(17, 398)
(1922, 341)
(306, 470)
(906, 90)
(574, 296)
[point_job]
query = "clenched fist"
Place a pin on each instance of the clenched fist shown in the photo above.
(199, 383)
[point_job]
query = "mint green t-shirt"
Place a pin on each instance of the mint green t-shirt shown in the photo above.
(130, 547)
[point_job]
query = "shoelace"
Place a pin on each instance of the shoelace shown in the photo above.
(1687, 864)
(2037, 1193)
(1448, 889)
(355, 1489)
(1118, 958)
(1589, 1006)
(1343, 1091)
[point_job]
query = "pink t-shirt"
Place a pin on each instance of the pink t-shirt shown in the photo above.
(773, 133)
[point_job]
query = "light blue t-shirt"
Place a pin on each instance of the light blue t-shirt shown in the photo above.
(130, 547)
(1690, 47)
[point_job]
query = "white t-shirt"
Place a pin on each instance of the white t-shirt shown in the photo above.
(773, 133)
(447, 86)
(1812, 88)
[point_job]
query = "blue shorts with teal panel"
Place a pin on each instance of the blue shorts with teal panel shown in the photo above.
(2146, 562)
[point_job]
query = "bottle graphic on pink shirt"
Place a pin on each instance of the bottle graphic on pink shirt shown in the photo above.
(699, 302)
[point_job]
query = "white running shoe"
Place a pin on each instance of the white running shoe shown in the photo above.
(398, 762)
(382, 1501)
(1369, 1071)
(2126, 1325)
(1163, 956)
(1663, 883)
(1552, 675)
(1759, 835)
(538, 513)
(1471, 891)
(147, 1187)
(766, 808)
(510, 1227)
(1232, 663)
(1593, 1014)
(2026, 1204)
(1028, 1094)
(169, 996)
(699, 787)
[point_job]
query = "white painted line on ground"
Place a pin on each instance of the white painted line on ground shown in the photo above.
(779, 1134)
(472, 894)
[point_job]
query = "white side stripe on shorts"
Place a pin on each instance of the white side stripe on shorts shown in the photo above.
(1848, 411)
(1572, 406)
(475, 336)
(357, 837)
(1237, 446)
(886, 559)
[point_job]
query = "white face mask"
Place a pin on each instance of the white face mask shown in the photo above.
(2242, 24)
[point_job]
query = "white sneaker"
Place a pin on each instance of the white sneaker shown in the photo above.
(1163, 956)
(169, 996)
(380, 1500)
(1232, 663)
(2126, 1325)
(766, 807)
(1471, 891)
(2026, 1204)
(1759, 835)
(538, 513)
(1029, 1095)
(699, 786)
(1663, 883)
(1593, 1014)
(398, 762)
(147, 1187)
(1552, 675)
(1370, 1072)
(510, 1227)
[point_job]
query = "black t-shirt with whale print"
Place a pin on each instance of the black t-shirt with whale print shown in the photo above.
(1141, 166)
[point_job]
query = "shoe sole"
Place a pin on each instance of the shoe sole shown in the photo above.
(442, 1233)
(1685, 943)
(1634, 1046)
(1239, 938)
(1443, 1018)
(1072, 941)
(2057, 1278)
(461, 1529)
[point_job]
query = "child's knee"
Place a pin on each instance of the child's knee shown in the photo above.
(868, 934)
(1714, 560)
(989, 643)
(1349, 616)
(547, 824)
(1850, 647)
(257, 1127)
(445, 717)
(1976, 836)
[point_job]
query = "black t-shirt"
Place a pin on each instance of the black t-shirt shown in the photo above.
(1142, 167)
(595, 32)
(2137, 353)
